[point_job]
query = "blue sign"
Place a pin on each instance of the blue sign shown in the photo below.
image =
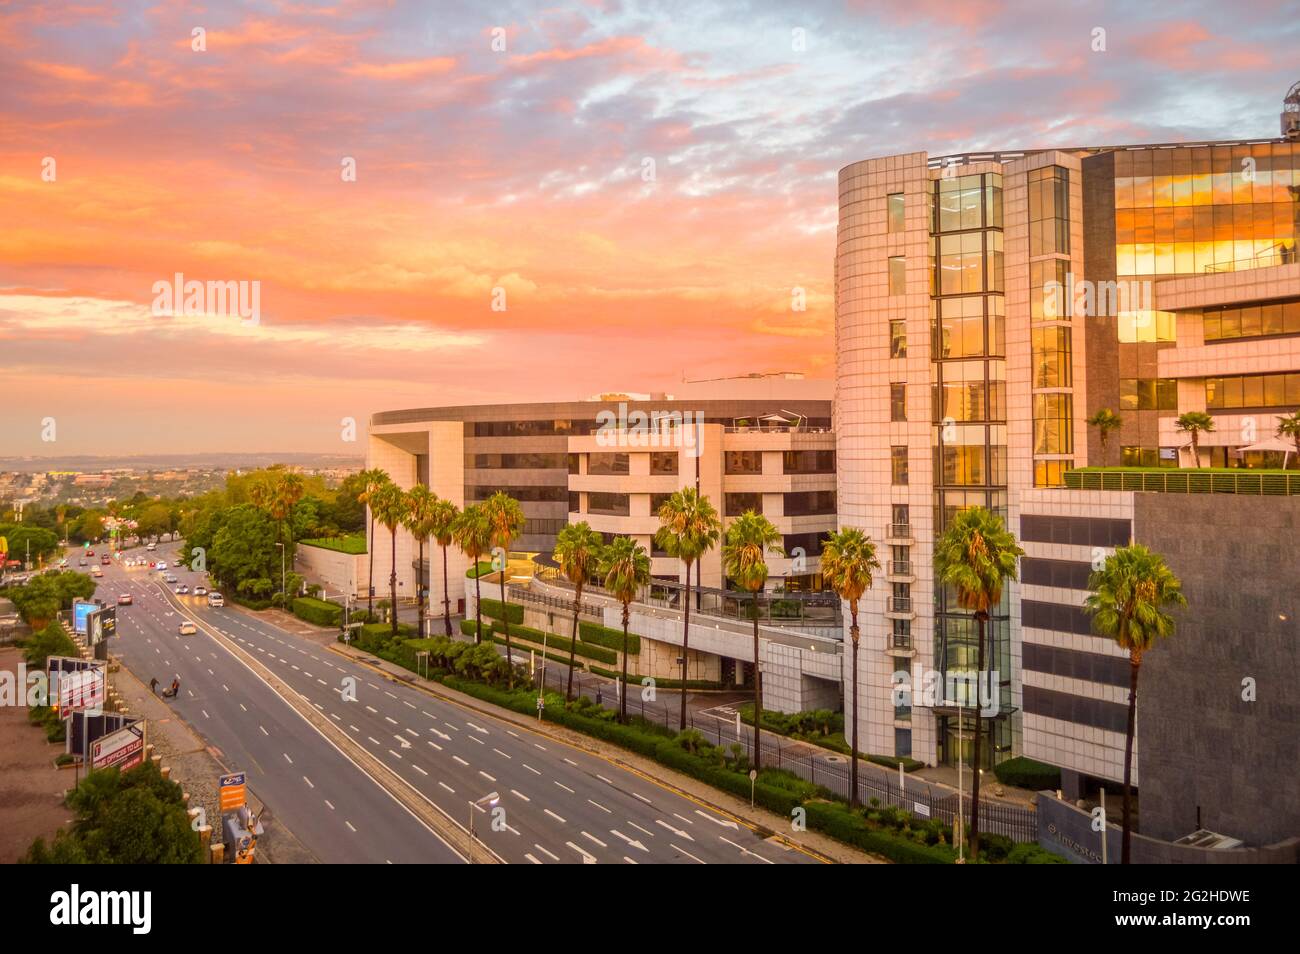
(81, 609)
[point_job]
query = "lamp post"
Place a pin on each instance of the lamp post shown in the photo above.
(490, 800)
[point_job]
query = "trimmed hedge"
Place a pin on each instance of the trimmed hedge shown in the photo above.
(1023, 772)
(469, 627)
(562, 643)
(634, 679)
(319, 612)
(480, 569)
(608, 637)
(513, 613)
(245, 602)
(892, 761)
(352, 544)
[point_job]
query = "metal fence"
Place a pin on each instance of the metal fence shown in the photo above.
(829, 770)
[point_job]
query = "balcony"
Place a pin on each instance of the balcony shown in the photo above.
(899, 646)
(900, 604)
(899, 533)
(900, 567)
(1168, 480)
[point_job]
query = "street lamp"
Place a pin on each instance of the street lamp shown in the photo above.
(490, 800)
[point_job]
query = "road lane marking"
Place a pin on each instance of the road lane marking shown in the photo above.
(600, 806)
(591, 837)
(515, 791)
(553, 815)
(566, 788)
(286, 757)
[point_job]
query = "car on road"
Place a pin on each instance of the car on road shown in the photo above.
(200, 590)
(160, 565)
(187, 628)
(106, 561)
(81, 563)
(90, 553)
(182, 590)
(96, 572)
(124, 599)
(151, 547)
(169, 577)
(216, 599)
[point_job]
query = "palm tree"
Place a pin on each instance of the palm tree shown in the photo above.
(1105, 421)
(577, 551)
(389, 505)
(506, 518)
(442, 526)
(285, 494)
(420, 501)
(1193, 423)
(848, 558)
(975, 556)
(1288, 425)
(750, 538)
(690, 529)
(371, 481)
(1129, 594)
(473, 535)
(626, 569)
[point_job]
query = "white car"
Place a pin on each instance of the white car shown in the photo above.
(216, 599)
(169, 578)
(160, 565)
(182, 590)
(200, 590)
(187, 628)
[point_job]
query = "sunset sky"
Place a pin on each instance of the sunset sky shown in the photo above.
(519, 169)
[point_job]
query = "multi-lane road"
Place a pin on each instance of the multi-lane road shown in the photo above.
(556, 803)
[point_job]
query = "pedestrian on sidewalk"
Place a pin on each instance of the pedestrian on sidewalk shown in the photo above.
(153, 686)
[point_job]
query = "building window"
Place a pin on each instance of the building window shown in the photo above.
(575, 502)
(549, 494)
(516, 461)
(1049, 298)
(897, 275)
(1148, 394)
(898, 402)
(1147, 325)
(607, 464)
(898, 339)
(1049, 211)
(1053, 424)
(657, 501)
(743, 462)
(808, 462)
(895, 207)
(809, 543)
(809, 503)
(1275, 318)
(1051, 357)
(1253, 390)
(736, 504)
(1051, 473)
(663, 462)
(898, 465)
(573, 463)
(613, 505)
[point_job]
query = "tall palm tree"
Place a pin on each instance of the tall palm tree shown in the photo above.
(689, 529)
(1127, 603)
(1105, 421)
(848, 557)
(389, 505)
(418, 520)
(371, 481)
(506, 518)
(442, 523)
(473, 536)
(577, 551)
(1193, 423)
(1288, 425)
(285, 494)
(975, 555)
(750, 538)
(626, 568)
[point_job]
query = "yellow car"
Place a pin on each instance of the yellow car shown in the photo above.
(187, 628)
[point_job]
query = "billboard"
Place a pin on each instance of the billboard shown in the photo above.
(123, 748)
(84, 728)
(80, 610)
(82, 689)
(58, 668)
(232, 788)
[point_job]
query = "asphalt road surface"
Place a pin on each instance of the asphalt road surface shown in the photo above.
(556, 804)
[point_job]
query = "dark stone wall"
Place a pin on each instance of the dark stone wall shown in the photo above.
(1199, 744)
(1101, 341)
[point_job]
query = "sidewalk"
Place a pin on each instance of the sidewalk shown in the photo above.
(757, 818)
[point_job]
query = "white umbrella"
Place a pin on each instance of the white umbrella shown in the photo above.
(1281, 444)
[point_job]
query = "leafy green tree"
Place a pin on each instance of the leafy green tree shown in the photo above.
(89, 527)
(975, 556)
(750, 538)
(44, 543)
(848, 559)
(1195, 423)
(626, 569)
(506, 518)
(577, 551)
(133, 817)
(1128, 603)
(244, 548)
(345, 510)
(154, 521)
(473, 536)
(1288, 425)
(689, 528)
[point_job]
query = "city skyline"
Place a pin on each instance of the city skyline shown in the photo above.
(522, 169)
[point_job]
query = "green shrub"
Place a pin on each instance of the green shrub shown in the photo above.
(608, 637)
(319, 612)
(1023, 772)
(480, 569)
(351, 544)
(469, 627)
(513, 613)
(634, 679)
(50, 641)
(1029, 853)
(892, 761)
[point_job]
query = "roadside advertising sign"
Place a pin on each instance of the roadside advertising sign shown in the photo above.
(80, 610)
(123, 748)
(233, 788)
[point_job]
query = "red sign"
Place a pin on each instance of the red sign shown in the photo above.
(123, 748)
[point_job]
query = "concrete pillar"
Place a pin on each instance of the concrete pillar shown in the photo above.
(217, 854)
(166, 771)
